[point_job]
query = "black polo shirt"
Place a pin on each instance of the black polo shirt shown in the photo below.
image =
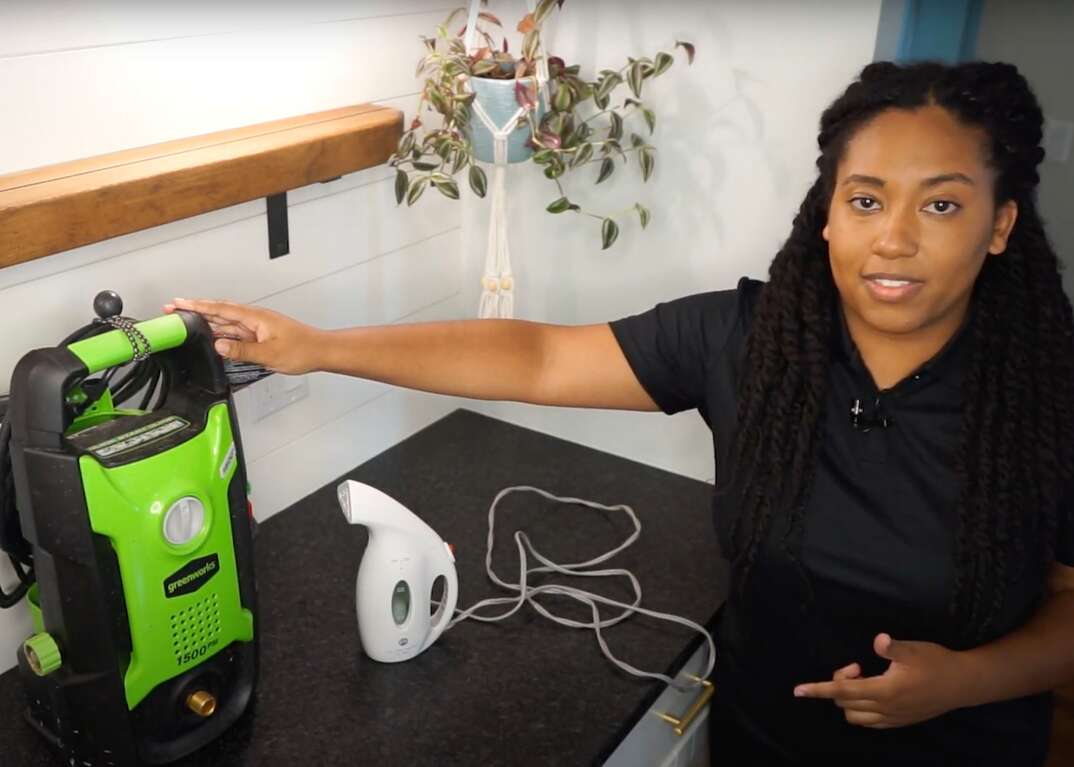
(877, 544)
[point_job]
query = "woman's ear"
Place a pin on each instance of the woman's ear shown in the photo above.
(1002, 225)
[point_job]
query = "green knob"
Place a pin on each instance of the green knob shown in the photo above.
(42, 653)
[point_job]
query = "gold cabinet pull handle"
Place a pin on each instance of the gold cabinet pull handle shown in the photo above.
(681, 724)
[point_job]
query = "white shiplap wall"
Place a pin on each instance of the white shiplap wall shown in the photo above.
(80, 79)
(736, 143)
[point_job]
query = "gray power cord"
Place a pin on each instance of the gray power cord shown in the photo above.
(528, 593)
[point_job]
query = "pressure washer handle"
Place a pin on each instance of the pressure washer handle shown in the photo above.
(116, 348)
(43, 377)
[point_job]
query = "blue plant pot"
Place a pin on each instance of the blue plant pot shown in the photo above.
(497, 98)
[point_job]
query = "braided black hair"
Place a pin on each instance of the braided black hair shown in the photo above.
(1017, 435)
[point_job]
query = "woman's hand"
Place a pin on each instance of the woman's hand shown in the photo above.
(251, 334)
(922, 682)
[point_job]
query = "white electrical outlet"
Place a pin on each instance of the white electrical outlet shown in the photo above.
(277, 392)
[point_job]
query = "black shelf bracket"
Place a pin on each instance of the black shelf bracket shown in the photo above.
(279, 238)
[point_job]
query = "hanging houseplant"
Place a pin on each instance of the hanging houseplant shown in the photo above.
(479, 101)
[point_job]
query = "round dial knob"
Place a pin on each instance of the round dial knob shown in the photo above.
(184, 520)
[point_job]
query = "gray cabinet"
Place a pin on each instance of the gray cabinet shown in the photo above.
(654, 743)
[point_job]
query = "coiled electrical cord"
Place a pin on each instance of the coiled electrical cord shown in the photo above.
(145, 374)
(528, 593)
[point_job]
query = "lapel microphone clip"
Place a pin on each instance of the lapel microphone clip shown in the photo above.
(863, 422)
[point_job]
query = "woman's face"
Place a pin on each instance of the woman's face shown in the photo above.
(911, 221)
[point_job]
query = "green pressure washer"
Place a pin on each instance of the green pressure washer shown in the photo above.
(132, 540)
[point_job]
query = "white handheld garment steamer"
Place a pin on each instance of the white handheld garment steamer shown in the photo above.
(401, 563)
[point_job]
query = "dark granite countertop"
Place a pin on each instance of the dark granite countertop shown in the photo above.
(521, 692)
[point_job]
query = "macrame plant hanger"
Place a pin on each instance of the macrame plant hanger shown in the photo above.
(498, 284)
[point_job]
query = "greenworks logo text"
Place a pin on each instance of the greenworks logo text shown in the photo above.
(192, 576)
(205, 570)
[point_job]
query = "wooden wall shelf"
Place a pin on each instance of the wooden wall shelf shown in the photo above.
(59, 207)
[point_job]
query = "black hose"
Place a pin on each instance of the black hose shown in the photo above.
(26, 580)
(125, 379)
(107, 378)
(137, 379)
(142, 381)
(165, 387)
(10, 533)
(151, 386)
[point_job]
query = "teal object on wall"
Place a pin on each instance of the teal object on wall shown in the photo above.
(497, 98)
(940, 30)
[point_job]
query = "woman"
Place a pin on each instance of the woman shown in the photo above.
(893, 420)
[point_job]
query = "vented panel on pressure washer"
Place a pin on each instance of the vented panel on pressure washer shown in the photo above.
(197, 626)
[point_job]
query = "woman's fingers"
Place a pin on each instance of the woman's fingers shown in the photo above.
(224, 317)
(244, 351)
(859, 711)
(865, 718)
(253, 334)
(222, 312)
(851, 671)
(857, 705)
(238, 332)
